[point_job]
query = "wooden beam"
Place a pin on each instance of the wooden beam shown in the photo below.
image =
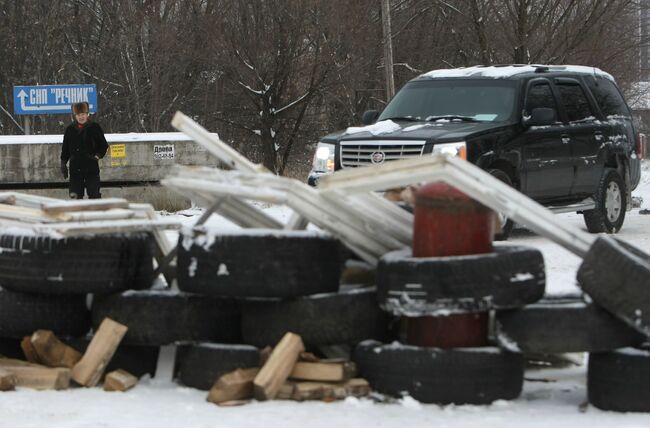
(7, 380)
(278, 367)
(233, 386)
(84, 205)
(28, 349)
(111, 214)
(52, 352)
(119, 380)
(29, 215)
(35, 376)
(330, 391)
(323, 371)
(105, 227)
(100, 350)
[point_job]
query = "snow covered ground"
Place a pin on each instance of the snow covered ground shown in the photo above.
(551, 397)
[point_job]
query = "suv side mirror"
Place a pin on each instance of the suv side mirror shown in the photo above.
(369, 117)
(540, 116)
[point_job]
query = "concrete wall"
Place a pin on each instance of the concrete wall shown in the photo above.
(37, 159)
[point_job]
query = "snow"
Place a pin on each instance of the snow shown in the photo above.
(550, 397)
(509, 71)
(382, 127)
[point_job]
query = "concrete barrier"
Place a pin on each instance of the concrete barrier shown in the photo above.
(131, 169)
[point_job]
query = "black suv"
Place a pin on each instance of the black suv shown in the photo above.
(562, 135)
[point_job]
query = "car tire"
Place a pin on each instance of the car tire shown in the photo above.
(616, 276)
(78, 265)
(346, 317)
(611, 204)
(442, 376)
(158, 318)
(21, 314)
(558, 325)
(506, 224)
(200, 365)
(251, 264)
(618, 381)
(509, 277)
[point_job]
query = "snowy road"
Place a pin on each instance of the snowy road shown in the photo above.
(555, 399)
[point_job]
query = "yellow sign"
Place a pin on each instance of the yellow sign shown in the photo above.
(118, 151)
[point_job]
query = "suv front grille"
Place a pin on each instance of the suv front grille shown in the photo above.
(365, 153)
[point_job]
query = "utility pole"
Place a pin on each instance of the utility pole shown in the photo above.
(388, 49)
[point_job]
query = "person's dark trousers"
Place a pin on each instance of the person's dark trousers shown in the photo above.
(80, 184)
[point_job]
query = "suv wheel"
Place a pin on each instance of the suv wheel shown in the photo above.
(611, 203)
(505, 223)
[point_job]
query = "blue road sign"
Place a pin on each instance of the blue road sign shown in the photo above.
(53, 99)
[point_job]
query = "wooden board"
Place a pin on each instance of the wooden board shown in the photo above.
(52, 352)
(112, 214)
(28, 349)
(29, 215)
(278, 367)
(34, 376)
(84, 205)
(107, 226)
(323, 371)
(330, 391)
(100, 350)
(7, 380)
(119, 380)
(233, 386)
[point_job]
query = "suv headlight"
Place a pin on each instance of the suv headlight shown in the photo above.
(458, 149)
(324, 158)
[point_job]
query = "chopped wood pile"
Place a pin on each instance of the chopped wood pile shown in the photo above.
(289, 373)
(51, 364)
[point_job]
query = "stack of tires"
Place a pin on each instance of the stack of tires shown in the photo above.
(45, 283)
(283, 281)
(438, 287)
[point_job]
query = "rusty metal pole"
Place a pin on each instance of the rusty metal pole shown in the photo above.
(449, 223)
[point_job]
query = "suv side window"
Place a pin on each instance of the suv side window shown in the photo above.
(540, 95)
(575, 101)
(607, 96)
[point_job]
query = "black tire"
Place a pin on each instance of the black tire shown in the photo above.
(618, 380)
(506, 228)
(561, 325)
(443, 376)
(79, 265)
(250, 264)
(21, 314)
(611, 204)
(509, 277)
(200, 365)
(616, 276)
(162, 317)
(137, 360)
(346, 317)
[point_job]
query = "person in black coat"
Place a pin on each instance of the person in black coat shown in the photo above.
(83, 145)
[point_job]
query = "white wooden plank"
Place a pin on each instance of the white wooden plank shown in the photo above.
(106, 227)
(84, 205)
(112, 214)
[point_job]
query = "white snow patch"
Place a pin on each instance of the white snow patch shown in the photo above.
(191, 269)
(509, 71)
(58, 278)
(382, 127)
(223, 270)
(522, 277)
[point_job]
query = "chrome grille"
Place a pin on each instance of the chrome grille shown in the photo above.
(359, 153)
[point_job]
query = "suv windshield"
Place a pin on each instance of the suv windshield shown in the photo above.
(454, 100)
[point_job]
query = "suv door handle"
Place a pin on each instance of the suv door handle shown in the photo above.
(565, 139)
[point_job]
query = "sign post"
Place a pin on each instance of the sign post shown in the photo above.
(52, 99)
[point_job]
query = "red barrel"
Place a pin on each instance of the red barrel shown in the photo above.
(450, 223)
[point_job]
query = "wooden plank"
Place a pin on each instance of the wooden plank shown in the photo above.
(323, 371)
(52, 352)
(278, 367)
(28, 215)
(34, 376)
(84, 205)
(105, 227)
(236, 385)
(111, 214)
(100, 350)
(7, 380)
(119, 380)
(286, 391)
(7, 198)
(330, 391)
(28, 349)
(26, 199)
